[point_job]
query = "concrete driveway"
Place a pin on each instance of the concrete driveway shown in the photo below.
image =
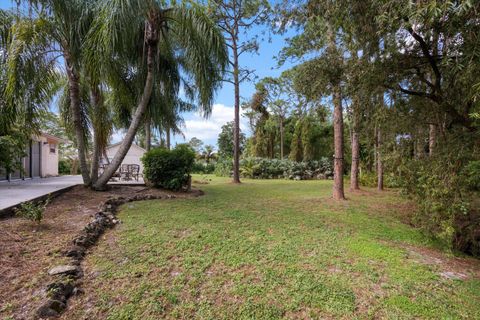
(15, 192)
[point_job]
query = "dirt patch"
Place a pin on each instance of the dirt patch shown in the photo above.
(28, 250)
(448, 267)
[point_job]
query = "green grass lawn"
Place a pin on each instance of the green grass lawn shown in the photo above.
(268, 250)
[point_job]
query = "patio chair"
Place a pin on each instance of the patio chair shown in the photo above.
(134, 170)
(125, 172)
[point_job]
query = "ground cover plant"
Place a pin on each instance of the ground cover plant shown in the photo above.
(270, 249)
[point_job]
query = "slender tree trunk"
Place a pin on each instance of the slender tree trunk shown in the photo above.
(148, 134)
(136, 120)
(338, 163)
(281, 137)
(338, 192)
(236, 126)
(432, 139)
(167, 137)
(74, 92)
(379, 160)
(354, 185)
(419, 151)
(375, 147)
(96, 100)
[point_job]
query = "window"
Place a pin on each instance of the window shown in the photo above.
(53, 148)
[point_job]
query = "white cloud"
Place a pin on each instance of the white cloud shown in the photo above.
(207, 130)
(196, 125)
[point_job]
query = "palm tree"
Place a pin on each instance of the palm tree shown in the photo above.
(182, 36)
(27, 84)
(208, 153)
(27, 79)
(63, 29)
(105, 42)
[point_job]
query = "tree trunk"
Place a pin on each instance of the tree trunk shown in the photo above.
(281, 137)
(74, 93)
(148, 134)
(354, 185)
(96, 100)
(338, 192)
(136, 120)
(236, 126)
(379, 160)
(432, 139)
(105, 156)
(419, 145)
(167, 137)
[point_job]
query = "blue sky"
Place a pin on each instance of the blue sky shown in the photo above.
(264, 65)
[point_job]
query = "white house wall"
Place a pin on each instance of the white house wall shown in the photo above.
(133, 156)
(49, 160)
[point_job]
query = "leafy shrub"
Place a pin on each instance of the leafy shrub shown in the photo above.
(64, 167)
(369, 179)
(263, 168)
(472, 175)
(12, 149)
(169, 169)
(202, 167)
(224, 167)
(32, 211)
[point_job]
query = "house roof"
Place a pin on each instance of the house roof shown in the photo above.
(51, 137)
(133, 145)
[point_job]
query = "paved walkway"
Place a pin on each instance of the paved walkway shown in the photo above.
(15, 192)
(18, 191)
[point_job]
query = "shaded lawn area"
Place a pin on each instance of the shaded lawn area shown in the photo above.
(273, 249)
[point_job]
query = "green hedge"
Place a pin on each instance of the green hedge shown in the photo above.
(262, 168)
(169, 169)
(202, 167)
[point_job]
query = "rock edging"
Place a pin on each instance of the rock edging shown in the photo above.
(66, 277)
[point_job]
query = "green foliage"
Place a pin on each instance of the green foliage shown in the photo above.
(431, 184)
(472, 175)
(32, 210)
(169, 169)
(369, 179)
(202, 167)
(224, 167)
(64, 166)
(225, 141)
(264, 168)
(12, 149)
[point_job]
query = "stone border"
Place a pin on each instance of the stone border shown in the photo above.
(65, 281)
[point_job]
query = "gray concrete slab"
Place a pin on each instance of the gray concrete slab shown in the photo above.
(18, 191)
(15, 192)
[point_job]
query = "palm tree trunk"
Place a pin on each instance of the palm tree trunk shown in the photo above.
(74, 92)
(96, 101)
(167, 137)
(236, 126)
(134, 125)
(148, 134)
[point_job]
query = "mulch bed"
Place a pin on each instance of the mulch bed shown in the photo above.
(28, 250)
